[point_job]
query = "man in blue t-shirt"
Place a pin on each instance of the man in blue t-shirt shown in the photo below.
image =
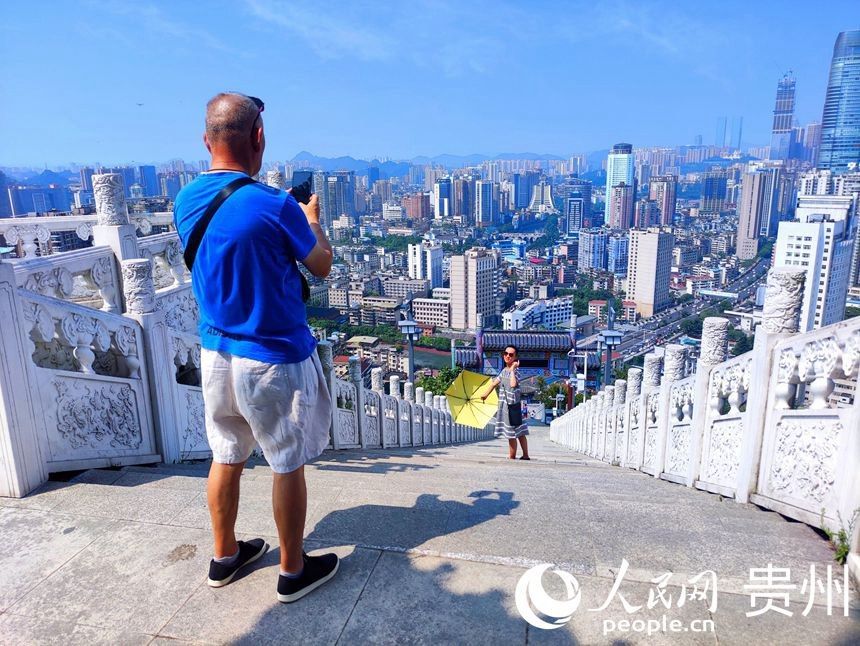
(262, 381)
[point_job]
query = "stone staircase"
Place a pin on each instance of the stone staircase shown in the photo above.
(433, 542)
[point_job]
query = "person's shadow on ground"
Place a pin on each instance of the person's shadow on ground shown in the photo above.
(408, 527)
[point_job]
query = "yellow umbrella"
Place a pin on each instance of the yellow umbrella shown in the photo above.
(464, 397)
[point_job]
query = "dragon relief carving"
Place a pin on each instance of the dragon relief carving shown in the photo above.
(804, 458)
(95, 415)
(109, 196)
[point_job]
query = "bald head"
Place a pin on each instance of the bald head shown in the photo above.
(229, 119)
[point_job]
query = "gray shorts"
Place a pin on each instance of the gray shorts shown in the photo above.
(285, 408)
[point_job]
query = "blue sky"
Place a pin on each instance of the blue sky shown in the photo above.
(400, 79)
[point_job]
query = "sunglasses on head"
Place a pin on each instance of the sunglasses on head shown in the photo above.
(260, 107)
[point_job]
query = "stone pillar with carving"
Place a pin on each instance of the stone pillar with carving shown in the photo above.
(408, 391)
(394, 386)
(113, 229)
(357, 381)
(22, 467)
(713, 351)
(325, 352)
(783, 304)
(634, 389)
(376, 380)
(139, 298)
(651, 374)
(275, 179)
(674, 370)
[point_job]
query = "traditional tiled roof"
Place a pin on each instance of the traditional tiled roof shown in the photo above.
(466, 357)
(547, 341)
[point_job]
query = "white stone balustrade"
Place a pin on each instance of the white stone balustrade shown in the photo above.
(769, 426)
(100, 357)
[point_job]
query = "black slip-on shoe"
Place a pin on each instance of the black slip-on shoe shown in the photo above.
(249, 551)
(317, 570)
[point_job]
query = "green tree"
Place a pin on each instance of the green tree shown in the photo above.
(742, 345)
(851, 312)
(440, 382)
(692, 327)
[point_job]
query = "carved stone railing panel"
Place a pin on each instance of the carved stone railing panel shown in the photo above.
(346, 424)
(389, 421)
(192, 423)
(34, 232)
(417, 424)
(372, 419)
(185, 354)
(427, 428)
(88, 417)
(649, 458)
(635, 425)
(808, 366)
(678, 438)
(165, 251)
(181, 312)
(73, 338)
(620, 433)
(728, 389)
(84, 276)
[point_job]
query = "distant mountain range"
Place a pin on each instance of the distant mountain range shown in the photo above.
(401, 167)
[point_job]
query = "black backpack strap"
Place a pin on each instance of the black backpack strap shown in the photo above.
(196, 236)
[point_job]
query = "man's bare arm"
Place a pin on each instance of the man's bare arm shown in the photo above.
(319, 260)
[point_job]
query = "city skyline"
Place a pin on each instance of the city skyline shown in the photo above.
(400, 83)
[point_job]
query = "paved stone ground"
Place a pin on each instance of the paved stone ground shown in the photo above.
(433, 542)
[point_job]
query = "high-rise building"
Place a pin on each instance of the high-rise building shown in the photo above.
(592, 252)
(475, 298)
(648, 270)
(541, 201)
(617, 250)
(662, 190)
(812, 142)
(148, 181)
(713, 192)
(840, 125)
(425, 262)
(756, 210)
(818, 241)
(737, 133)
(486, 202)
(620, 167)
(574, 212)
(320, 182)
(442, 199)
(523, 183)
(340, 195)
(646, 214)
(783, 118)
(87, 179)
(417, 206)
(720, 137)
(463, 199)
(619, 205)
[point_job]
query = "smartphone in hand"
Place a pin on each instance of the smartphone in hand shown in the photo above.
(303, 186)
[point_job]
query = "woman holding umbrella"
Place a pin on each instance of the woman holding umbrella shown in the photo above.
(509, 417)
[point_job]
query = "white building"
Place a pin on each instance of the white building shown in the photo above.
(425, 261)
(529, 313)
(474, 287)
(819, 242)
(432, 311)
(649, 268)
(392, 212)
